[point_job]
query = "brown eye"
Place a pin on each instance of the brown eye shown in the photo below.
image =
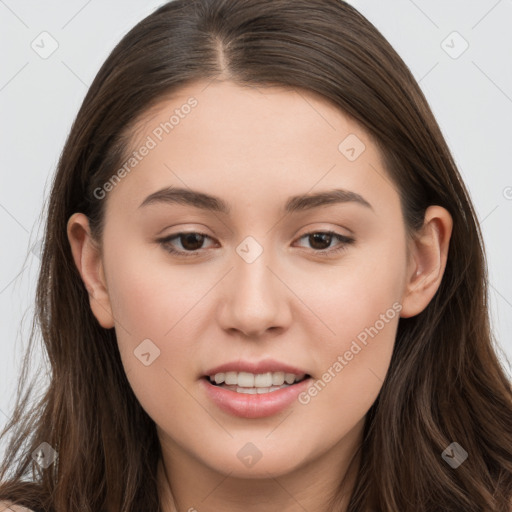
(191, 241)
(320, 242)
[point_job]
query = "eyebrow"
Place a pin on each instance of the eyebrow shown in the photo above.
(189, 197)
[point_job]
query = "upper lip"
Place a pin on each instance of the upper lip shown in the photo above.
(255, 367)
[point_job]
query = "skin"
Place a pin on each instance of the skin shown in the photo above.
(255, 147)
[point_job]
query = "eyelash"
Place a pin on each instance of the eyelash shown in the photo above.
(345, 241)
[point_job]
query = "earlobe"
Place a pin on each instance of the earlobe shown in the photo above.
(87, 258)
(428, 255)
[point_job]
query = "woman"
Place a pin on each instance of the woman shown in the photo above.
(263, 283)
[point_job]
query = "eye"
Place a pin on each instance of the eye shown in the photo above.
(192, 242)
(321, 242)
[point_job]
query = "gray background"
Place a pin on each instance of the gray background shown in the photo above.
(469, 91)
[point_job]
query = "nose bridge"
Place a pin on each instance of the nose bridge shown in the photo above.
(255, 300)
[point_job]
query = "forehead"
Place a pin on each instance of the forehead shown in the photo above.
(238, 140)
(225, 111)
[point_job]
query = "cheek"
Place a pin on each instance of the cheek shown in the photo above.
(149, 296)
(362, 293)
(352, 364)
(155, 308)
(360, 304)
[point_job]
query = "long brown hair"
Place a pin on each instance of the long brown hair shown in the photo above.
(444, 384)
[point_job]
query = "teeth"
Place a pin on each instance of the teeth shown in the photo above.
(219, 378)
(245, 380)
(259, 391)
(231, 378)
(278, 378)
(289, 378)
(251, 380)
(263, 380)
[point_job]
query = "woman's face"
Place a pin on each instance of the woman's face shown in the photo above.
(264, 290)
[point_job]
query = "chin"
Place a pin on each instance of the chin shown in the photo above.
(243, 464)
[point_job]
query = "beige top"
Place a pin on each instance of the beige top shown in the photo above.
(164, 492)
(7, 506)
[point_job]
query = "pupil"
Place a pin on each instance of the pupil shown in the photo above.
(319, 236)
(185, 239)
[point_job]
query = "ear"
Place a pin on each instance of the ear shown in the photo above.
(87, 257)
(428, 253)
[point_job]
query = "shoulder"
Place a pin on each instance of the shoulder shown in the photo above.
(8, 506)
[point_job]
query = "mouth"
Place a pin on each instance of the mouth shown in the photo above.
(255, 384)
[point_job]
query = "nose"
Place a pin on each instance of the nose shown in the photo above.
(255, 301)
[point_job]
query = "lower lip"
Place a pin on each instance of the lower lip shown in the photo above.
(244, 405)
